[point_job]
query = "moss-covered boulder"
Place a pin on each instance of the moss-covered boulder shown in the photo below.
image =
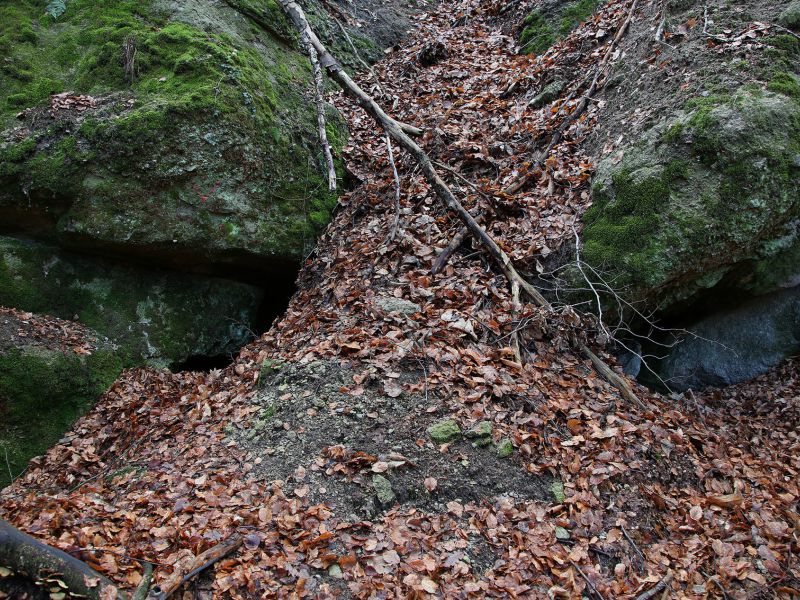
(709, 197)
(790, 17)
(180, 131)
(155, 316)
(551, 21)
(51, 372)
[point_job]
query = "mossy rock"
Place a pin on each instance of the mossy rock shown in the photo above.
(444, 431)
(551, 22)
(154, 316)
(205, 146)
(790, 18)
(42, 391)
(709, 195)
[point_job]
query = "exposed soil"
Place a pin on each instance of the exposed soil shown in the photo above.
(308, 417)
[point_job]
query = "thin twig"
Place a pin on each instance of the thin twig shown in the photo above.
(660, 586)
(8, 466)
(586, 579)
(396, 222)
(632, 543)
(319, 100)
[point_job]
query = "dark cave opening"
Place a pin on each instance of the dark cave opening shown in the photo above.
(278, 292)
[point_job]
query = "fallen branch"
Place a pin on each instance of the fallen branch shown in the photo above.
(659, 587)
(200, 563)
(454, 245)
(396, 222)
(39, 562)
(319, 101)
(440, 188)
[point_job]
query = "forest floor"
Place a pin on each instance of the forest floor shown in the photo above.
(322, 457)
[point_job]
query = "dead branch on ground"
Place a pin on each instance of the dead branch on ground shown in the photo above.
(440, 188)
(39, 562)
(396, 222)
(198, 564)
(662, 585)
(319, 101)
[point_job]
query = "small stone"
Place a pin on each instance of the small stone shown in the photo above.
(548, 94)
(557, 489)
(561, 533)
(480, 430)
(391, 304)
(335, 571)
(504, 448)
(383, 488)
(444, 431)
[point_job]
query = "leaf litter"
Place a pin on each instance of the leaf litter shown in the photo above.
(599, 497)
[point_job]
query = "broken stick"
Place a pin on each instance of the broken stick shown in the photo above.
(660, 586)
(319, 100)
(200, 563)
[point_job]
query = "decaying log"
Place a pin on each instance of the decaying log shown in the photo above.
(200, 563)
(440, 188)
(39, 562)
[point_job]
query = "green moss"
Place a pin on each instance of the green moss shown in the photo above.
(785, 83)
(42, 393)
(540, 31)
(576, 13)
(537, 34)
(151, 316)
(184, 79)
(678, 215)
(786, 43)
(620, 226)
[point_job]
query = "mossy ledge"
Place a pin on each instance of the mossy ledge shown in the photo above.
(710, 195)
(204, 143)
(543, 28)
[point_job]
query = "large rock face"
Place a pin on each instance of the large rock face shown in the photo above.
(159, 317)
(187, 134)
(710, 197)
(737, 345)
